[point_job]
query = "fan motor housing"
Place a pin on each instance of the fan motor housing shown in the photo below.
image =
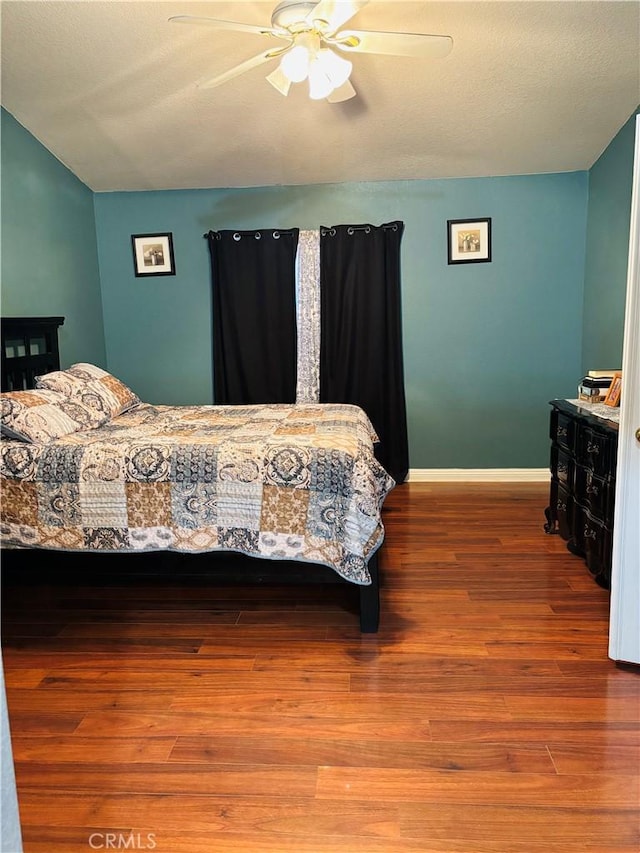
(291, 15)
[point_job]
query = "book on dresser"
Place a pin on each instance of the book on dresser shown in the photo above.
(585, 397)
(600, 374)
(593, 390)
(597, 382)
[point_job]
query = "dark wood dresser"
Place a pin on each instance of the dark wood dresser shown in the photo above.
(584, 445)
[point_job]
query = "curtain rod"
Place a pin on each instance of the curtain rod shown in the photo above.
(351, 229)
(387, 226)
(392, 226)
(255, 231)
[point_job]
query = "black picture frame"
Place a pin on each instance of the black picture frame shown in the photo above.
(469, 241)
(153, 254)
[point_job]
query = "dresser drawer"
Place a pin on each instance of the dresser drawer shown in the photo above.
(597, 549)
(564, 513)
(562, 466)
(591, 537)
(562, 430)
(593, 492)
(595, 450)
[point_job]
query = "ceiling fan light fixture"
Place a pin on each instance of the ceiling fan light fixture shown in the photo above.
(314, 42)
(295, 64)
(337, 69)
(296, 61)
(319, 83)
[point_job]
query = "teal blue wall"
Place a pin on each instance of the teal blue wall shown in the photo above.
(605, 283)
(49, 251)
(486, 345)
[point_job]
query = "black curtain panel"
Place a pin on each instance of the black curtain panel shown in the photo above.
(254, 316)
(361, 331)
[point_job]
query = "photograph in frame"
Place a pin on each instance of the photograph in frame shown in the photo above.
(613, 394)
(469, 241)
(153, 254)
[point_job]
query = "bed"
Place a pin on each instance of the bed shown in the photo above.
(88, 467)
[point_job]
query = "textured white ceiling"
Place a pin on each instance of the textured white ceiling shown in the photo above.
(109, 88)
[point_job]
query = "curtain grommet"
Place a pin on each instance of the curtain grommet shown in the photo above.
(257, 235)
(276, 235)
(237, 237)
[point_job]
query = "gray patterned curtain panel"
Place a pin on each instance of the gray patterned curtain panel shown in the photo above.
(308, 313)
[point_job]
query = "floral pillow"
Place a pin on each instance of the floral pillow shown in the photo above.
(40, 416)
(93, 387)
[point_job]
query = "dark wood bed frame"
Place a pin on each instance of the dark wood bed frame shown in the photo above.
(30, 348)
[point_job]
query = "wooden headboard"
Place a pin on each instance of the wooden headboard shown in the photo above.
(29, 349)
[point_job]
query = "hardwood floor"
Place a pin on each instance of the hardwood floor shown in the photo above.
(484, 717)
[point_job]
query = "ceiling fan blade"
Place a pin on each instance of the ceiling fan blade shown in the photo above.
(247, 65)
(224, 25)
(342, 93)
(420, 45)
(335, 12)
(279, 81)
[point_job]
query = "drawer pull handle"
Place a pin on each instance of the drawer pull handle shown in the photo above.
(593, 448)
(589, 533)
(563, 432)
(562, 507)
(592, 490)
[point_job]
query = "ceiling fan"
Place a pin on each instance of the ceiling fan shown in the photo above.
(313, 41)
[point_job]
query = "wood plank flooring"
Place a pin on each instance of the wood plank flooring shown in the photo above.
(484, 717)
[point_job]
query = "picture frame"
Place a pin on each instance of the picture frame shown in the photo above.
(613, 394)
(469, 241)
(153, 254)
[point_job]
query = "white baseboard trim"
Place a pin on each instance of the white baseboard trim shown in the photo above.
(479, 475)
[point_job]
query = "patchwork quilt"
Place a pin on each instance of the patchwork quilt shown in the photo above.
(294, 482)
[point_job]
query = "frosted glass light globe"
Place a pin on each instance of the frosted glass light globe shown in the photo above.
(295, 64)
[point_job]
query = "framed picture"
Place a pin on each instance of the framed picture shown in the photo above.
(153, 254)
(613, 394)
(469, 241)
